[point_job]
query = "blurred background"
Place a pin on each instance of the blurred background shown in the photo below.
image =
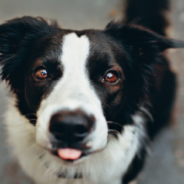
(166, 160)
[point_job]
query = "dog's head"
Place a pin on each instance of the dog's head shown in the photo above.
(70, 84)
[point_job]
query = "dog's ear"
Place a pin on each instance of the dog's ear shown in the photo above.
(13, 44)
(143, 49)
(13, 32)
(138, 37)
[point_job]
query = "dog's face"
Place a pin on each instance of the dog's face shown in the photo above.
(75, 82)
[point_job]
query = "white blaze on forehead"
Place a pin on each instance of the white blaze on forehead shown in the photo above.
(75, 81)
(74, 90)
(75, 52)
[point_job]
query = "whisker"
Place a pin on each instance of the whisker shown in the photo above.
(111, 130)
(33, 115)
(112, 122)
(32, 119)
(114, 133)
(115, 126)
(30, 114)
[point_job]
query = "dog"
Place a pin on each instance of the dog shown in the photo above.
(86, 104)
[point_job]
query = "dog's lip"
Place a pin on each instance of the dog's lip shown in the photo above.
(84, 153)
(56, 146)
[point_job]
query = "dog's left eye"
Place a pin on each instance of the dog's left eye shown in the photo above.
(111, 77)
(41, 74)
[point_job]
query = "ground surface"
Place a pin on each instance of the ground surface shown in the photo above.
(166, 160)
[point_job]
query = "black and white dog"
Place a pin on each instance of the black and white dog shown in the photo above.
(85, 104)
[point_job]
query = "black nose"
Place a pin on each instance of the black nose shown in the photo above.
(70, 126)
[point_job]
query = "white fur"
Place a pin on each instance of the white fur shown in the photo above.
(105, 167)
(73, 91)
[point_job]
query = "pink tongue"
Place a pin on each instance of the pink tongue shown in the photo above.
(69, 154)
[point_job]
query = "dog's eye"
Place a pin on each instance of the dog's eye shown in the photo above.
(41, 74)
(111, 77)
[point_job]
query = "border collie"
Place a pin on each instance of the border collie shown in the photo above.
(85, 104)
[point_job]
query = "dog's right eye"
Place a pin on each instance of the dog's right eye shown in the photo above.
(41, 74)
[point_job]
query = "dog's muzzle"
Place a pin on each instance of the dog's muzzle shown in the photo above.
(68, 133)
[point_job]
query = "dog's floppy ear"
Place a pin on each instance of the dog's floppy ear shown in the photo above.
(140, 37)
(13, 32)
(13, 46)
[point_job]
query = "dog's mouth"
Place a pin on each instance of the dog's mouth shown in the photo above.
(72, 152)
(69, 154)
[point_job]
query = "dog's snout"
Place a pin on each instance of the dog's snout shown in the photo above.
(71, 126)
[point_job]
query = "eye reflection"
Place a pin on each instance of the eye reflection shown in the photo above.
(41, 74)
(110, 77)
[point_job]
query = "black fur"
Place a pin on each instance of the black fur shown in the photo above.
(148, 13)
(136, 52)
